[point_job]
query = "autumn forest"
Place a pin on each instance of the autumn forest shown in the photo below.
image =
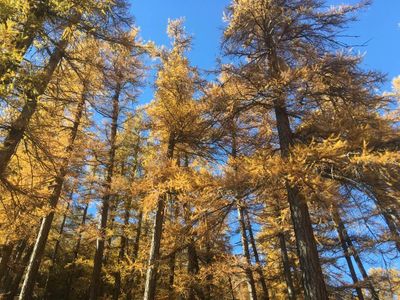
(275, 175)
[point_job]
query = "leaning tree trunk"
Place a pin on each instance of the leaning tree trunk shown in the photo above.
(38, 10)
(347, 255)
(40, 243)
(259, 268)
(20, 124)
(312, 276)
(152, 267)
(354, 253)
(95, 284)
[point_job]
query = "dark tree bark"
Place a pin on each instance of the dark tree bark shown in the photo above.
(5, 259)
(95, 284)
(171, 277)
(40, 243)
(259, 269)
(312, 276)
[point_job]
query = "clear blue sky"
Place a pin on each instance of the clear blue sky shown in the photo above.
(378, 27)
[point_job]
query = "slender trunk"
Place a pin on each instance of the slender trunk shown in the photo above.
(354, 253)
(171, 277)
(121, 254)
(345, 248)
(20, 124)
(40, 243)
(100, 243)
(246, 252)
(75, 254)
(20, 267)
(193, 269)
(152, 268)
(55, 252)
(135, 253)
(259, 268)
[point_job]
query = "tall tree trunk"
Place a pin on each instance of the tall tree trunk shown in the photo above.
(135, 253)
(95, 284)
(246, 253)
(20, 124)
(354, 253)
(312, 276)
(76, 253)
(121, 254)
(40, 243)
(152, 268)
(259, 268)
(55, 250)
(345, 248)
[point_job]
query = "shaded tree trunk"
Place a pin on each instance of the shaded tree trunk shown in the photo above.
(259, 268)
(40, 243)
(95, 284)
(152, 268)
(5, 259)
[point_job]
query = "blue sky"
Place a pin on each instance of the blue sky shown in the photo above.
(378, 27)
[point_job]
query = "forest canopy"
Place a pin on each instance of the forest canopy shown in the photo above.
(275, 175)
